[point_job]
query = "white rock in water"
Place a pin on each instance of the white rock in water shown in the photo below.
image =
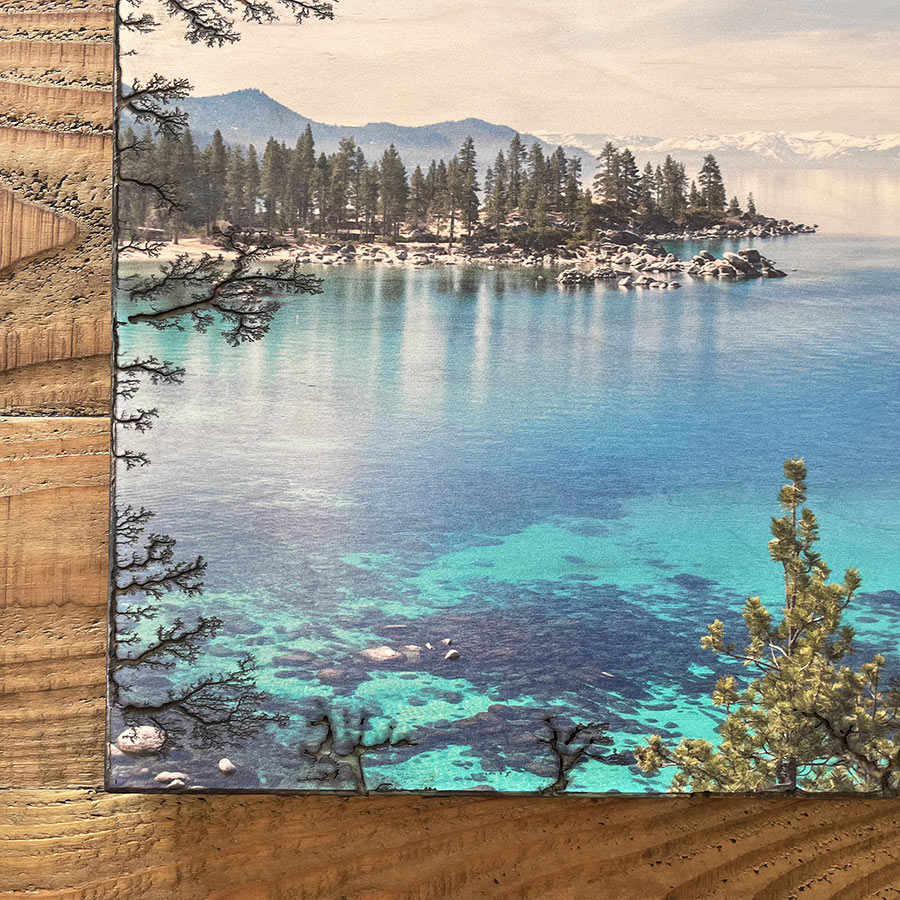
(226, 766)
(429, 647)
(446, 642)
(380, 654)
(170, 776)
(412, 647)
(177, 783)
(451, 654)
(114, 752)
(141, 739)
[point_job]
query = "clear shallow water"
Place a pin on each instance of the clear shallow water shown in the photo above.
(567, 483)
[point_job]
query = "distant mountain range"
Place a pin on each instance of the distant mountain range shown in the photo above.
(807, 149)
(251, 117)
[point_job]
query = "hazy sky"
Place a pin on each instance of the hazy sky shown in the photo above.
(658, 67)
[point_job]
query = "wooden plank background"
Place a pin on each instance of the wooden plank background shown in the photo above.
(61, 836)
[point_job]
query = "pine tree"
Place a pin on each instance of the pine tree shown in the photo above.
(496, 197)
(343, 177)
(451, 194)
(177, 163)
(751, 206)
(252, 183)
(321, 187)
(515, 164)
(535, 192)
(587, 213)
(394, 191)
(369, 194)
(439, 203)
(468, 184)
(673, 197)
(628, 189)
(556, 179)
(804, 719)
(359, 163)
(734, 208)
(647, 192)
(417, 208)
(272, 177)
(694, 198)
(213, 198)
(235, 187)
(607, 181)
(572, 188)
(712, 188)
(302, 168)
(284, 196)
(431, 186)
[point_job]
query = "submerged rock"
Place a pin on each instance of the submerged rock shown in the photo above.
(163, 777)
(380, 654)
(226, 766)
(451, 654)
(330, 674)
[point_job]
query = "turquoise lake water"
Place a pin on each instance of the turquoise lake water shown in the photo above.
(568, 483)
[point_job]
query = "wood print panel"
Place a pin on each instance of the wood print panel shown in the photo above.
(63, 838)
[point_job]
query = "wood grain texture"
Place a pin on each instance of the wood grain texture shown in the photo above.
(63, 838)
(55, 166)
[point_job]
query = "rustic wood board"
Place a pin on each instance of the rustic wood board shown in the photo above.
(61, 835)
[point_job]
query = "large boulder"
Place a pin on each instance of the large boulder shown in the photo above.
(754, 257)
(739, 263)
(140, 740)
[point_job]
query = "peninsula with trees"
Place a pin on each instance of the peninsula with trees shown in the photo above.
(526, 207)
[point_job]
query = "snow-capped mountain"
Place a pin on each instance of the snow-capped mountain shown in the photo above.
(805, 149)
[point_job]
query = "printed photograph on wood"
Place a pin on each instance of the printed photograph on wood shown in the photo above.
(533, 429)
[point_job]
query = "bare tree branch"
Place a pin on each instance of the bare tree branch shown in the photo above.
(141, 419)
(232, 286)
(158, 372)
(151, 102)
(132, 459)
(571, 743)
(151, 249)
(341, 749)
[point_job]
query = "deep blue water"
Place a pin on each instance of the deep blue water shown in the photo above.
(568, 483)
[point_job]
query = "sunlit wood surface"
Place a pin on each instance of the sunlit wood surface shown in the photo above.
(61, 836)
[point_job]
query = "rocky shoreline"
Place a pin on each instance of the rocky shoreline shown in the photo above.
(637, 264)
(628, 258)
(763, 228)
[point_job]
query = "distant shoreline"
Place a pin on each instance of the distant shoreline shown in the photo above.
(629, 259)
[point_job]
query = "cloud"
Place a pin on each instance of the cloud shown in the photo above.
(658, 66)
